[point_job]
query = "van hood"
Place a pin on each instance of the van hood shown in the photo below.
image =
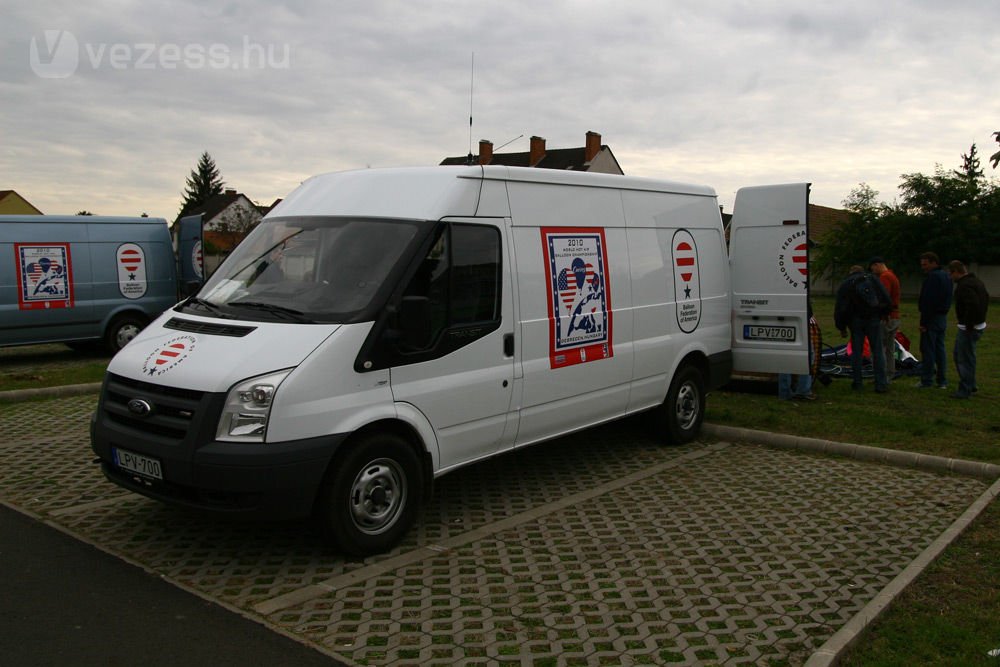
(206, 359)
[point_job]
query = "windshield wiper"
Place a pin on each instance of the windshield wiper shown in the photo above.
(207, 305)
(289, 313)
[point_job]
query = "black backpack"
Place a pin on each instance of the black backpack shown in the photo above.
(869, 297)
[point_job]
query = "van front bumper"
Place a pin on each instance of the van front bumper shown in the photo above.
(262, 480)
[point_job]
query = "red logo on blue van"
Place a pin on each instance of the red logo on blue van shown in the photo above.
(131, 270)
(687, 280)
(168, 355)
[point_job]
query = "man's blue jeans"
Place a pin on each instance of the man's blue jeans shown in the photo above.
(872, 330)
(935, 359)
(965, 360)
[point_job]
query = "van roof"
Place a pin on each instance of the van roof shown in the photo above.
(433, 192)
(81, 219)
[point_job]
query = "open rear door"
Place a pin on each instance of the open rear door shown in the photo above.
(190, 262)
(769, 262)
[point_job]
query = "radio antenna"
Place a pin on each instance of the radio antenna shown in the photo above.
(472, 79)
(509, 142)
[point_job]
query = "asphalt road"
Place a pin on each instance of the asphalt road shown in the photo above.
(64, 602)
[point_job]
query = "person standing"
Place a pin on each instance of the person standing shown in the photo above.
(934, 303)
(799, 387)
(971, 303)
(863, 317)
(890, 322)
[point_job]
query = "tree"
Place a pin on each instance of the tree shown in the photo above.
(203, 183)
(995, 158)
(84, 212)
(955, 213)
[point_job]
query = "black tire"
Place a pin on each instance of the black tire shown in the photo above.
(372, 494)
(122, 330)
(683, 410)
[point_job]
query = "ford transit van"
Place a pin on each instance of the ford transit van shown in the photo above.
(381, 328)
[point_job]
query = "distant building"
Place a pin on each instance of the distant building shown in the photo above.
(12, 203)
(227, 218)
(592, 156)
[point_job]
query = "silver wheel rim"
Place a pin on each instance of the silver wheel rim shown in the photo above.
(378, 495)
(126, 334)
(688, 406)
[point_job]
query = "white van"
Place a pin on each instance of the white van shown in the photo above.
(381, 328)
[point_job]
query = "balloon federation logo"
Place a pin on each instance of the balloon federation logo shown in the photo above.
(169, 355)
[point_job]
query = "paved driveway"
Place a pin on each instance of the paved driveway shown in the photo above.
(600, 548)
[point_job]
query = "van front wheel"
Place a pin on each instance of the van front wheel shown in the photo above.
(122, 330)
(371, 497)
(684, 408)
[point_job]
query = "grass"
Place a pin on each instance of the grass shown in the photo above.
(951, 614)
(53, 365)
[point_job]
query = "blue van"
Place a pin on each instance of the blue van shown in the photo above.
(83, 279)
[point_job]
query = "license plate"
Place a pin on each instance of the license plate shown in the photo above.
(765, 332)
(137, 463)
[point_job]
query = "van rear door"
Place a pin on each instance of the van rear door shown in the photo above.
(769, 262)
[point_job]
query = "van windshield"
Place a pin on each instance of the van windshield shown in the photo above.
(309, 269)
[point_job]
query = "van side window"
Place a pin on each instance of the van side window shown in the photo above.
(459, 284)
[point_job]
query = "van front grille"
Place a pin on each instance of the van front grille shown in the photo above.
(171, 417)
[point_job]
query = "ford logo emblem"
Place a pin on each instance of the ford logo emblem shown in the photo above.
(140, 407)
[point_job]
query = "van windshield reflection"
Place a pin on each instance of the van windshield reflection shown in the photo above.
(306, 270)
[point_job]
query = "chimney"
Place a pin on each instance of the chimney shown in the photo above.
(485, 151)
(537, 151)
(593, 146)
(230, 191)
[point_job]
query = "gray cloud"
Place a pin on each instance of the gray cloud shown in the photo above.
(728, 94)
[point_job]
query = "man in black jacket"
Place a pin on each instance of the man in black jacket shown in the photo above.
(971, 302)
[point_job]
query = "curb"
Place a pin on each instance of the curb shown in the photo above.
(49, 392)
(895, 457)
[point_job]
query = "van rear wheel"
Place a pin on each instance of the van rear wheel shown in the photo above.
(684, 408)
(371, 497)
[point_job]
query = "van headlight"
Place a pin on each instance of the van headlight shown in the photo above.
(244, 418)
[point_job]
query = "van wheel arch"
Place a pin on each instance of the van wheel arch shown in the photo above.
(373, 489)
(123, 328)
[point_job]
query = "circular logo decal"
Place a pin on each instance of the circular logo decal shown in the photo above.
(793, 260)
(168, 355)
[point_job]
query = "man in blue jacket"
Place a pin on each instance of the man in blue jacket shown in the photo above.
(934, 303)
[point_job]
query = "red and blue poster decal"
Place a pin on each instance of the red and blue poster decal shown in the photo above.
(44, 276)
(579, 295)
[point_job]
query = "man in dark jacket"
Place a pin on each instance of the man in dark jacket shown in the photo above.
(934, 303)
(864, 319)
(971, 302)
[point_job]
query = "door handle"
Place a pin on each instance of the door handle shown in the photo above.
(508, 345)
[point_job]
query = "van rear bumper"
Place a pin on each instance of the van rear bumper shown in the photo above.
(262, 481)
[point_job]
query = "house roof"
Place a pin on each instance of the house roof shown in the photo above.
(555, 158)
(11, 193)
(216, 204)
(823, 220)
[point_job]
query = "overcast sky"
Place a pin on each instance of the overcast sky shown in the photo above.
(106, 106)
